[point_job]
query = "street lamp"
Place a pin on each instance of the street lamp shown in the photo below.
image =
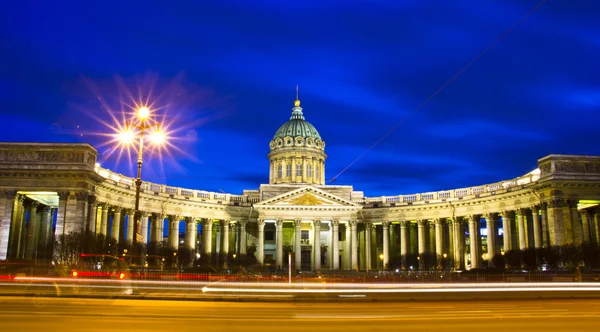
(142, 121)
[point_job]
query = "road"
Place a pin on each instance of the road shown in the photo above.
(69, 314)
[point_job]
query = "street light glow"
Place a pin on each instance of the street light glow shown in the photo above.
(157, 137)
(126, 136)
(143, 112)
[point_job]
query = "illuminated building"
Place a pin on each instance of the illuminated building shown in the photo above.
(52, 189)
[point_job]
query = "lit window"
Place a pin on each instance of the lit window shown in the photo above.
(288, 170)
(279, 171)
(299, 170)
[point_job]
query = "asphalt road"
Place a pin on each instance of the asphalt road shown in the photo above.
(70, 314)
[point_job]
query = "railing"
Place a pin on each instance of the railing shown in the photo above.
(224, 198)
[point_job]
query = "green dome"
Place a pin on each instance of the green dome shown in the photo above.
(297, 126)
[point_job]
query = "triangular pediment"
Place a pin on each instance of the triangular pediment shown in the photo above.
(307, 196)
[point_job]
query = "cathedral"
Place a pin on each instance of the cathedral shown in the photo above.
(49, 189)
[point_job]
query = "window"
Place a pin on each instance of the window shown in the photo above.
(304, 235)
(299, 170)
(317, 174)
(288, 170)
(279, 171)
(308, 171)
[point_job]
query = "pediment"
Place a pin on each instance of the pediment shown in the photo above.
(307, 196)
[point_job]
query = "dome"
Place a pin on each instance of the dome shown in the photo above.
(297, 126)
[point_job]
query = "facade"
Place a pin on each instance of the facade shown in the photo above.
(53, 189)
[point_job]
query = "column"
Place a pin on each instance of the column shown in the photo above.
(159, 222)
(92, 214)
(7, 211)
(354, 244)
(555, 222)
(575, 222)
(130, 225)
(585, 224)
(31, 228)
(537, 234)
(545, 234)
(335, 244)
(298, 244)
(104, 220)
(225, 241)
(474, 240)
(279, 244)
(521, 224)
(368, 228)
(386, 244)
(459, 243)
(422, 236)
(260, 250)
(173, 235)
(45, 232)
(317, 245)
(190, 233)
(208, 236)
(508, 218)
(116, 224)
(439, 240)
(492, 235)
(144, 228)
(597, 226)
(404, 224)
(243, 245)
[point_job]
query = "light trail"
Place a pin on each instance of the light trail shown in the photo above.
(441, 88)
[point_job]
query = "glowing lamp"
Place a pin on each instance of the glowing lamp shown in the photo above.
(143, 112)
(157, 137)
(125, 136)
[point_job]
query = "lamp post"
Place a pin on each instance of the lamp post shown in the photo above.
(142, 122)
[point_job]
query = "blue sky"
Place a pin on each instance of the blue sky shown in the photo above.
(222, 75)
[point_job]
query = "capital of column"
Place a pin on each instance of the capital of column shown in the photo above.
(279, 222)
(521, 211)
(439, 221)
(572, 203)
(174, 217)
(297, 222)
(128, 211)
(422, 222)
(189, 220)
(458, 220)
(317, 223)
(404, 223)
(47, 209)
(145, 214)
(353, 223)
(82, 196)
(10, 194)
(260, 222)
(473, 218)
(92, 199)
(116, 209)
(335, 222)
(509, 214)
(535, 209)
(225, 222)
(367, 224)
(556, 203)
(385, 224)
(32, 205)
(586, 213)
(63, 195)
